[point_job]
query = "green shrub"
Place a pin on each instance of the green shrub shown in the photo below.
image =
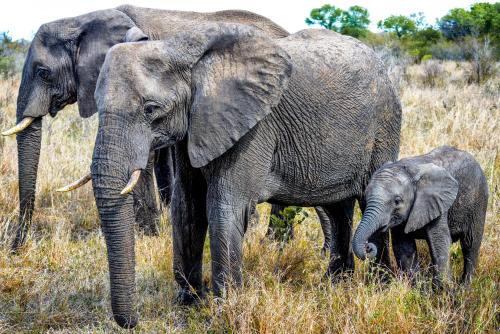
(12, 54)
(283, 223)
(7, 66)
(426, 57)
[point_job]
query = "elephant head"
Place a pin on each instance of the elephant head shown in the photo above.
(412, 193)
(210, 87)
(61, 67)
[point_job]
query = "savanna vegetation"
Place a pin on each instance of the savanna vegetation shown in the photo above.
(58, 281)
(462, 34)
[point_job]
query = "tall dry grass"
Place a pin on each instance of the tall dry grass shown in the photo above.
(59, 283)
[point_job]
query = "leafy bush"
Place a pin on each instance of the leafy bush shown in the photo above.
(7, 66)
(12, 54)
(445, 49)
(283, 223)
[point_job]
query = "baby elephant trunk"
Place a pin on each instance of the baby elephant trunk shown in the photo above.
(367, 227)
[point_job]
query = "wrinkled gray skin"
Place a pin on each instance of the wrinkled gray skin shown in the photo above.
(61, 68)
(440, 196)
(302, 120)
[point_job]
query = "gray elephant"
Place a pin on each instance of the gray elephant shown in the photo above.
(440, 196)
(61, 68)
(301, 120)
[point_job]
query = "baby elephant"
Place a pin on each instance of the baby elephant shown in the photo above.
(440, 197)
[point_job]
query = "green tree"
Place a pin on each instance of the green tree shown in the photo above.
(327, 16)
(7, 61)
(482, 19)
(353, 21)
(420, 42)
(11, 54)
(400, 25)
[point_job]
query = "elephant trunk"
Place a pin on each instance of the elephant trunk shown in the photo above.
(28, 150)
(110, 174)
(370, 224)
(32, 104)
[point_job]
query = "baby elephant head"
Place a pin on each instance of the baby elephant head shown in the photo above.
(403, 193)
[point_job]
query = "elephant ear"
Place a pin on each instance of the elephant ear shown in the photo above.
(135, 34)
(436, 191)
(240, 76)
(99, 32)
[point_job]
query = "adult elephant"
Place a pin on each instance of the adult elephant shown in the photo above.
(301, 120)
(61, 68)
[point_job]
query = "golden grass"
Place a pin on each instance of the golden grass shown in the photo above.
(59, 281)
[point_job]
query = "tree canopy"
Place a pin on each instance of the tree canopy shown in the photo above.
(402, 25)
(353, 22)
(482, 19)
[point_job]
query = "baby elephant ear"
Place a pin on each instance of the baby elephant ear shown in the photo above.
(240, 77)
(135, 34)
(436, 191)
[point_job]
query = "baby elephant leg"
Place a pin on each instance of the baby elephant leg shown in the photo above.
(470, 254)
(405, 252)
(471, 242)
(470, 250)
(439, 239)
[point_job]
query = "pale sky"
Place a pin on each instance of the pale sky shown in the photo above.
(22, 17)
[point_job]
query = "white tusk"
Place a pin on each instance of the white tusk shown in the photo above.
(134, 178)
(76, 184)
(19, 127)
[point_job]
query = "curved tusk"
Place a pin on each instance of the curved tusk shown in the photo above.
(19, 126)
(76, 184)
(134, 178)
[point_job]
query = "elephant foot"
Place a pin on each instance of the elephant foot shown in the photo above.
(126, 322)
(187, 297)
(340, 269)
(16, 248)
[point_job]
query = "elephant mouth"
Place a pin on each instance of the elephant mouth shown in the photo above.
(159, 143)
(383, 229)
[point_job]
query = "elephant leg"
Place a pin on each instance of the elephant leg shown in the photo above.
(470, 251)
(471, 242)
(405, 252)
(439, 240)
(341, 256)
(146, 210)
(164, 172)
(226, 228)
(326, 227)
(272, 228)
(189, 228)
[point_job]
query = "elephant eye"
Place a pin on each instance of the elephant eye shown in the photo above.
(151, 107)
(397, 200)
(43, 73)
